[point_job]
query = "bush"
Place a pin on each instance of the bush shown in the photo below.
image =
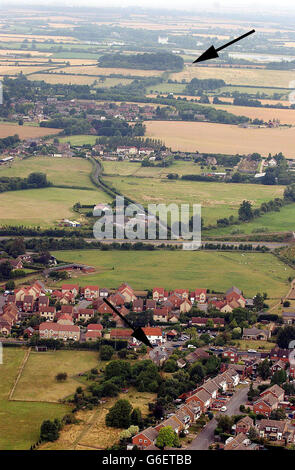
(106, 352)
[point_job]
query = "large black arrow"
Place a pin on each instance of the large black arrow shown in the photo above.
(212, 53)
(138, 333)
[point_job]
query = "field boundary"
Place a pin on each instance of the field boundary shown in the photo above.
(25, 360)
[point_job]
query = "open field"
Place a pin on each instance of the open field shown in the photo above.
(44, 207)
(26, 132)
(124, 168)
(20, 421)
(218, 200)
(14, 70)
(63, 171)
(93, 70)
(237, 76)
(91, 432)
(244, 345)
(37, 381)
(222, 138)
(79, 139)
(286, 116)
(282, 221)
(251, 272)
(64, 79)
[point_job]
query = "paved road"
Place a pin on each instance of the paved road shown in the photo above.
(206, 436)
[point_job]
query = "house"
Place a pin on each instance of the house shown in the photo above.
(67, 309)
(197, 354)
(92, 335)
(59, 331)
(183, 293)
(288, 318)
(137, 305)
(90, 292)
(124, 334)
(277, 391)
(279, 365)
(48, 312)
(255, 334)
(65, 319)
(104, 292)
(117, 299)
(43, 301)
(185, 306)
(211, 387)
(28, 303)
(265, 405)
(239, 442)
(200, 295)
(104, 308)
(145, 438)
(150, 304)
(272, 430)
(158, 294)
(200, 399)
(14, 263)
(231, 354)
(175, 423)
(127, 292)
(85, 314)
(238, 298)
(154, 335)
(244, 425)
(161, 314)
(279, 354)
(72, 288)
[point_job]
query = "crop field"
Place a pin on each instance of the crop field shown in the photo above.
(44, 207)
(286, 116)
(238, 76)
(37, 381)
(63, 79)
(218, 200)
(26, 132)
(63, 171)
(20, 421)
(222, 138)
(94, 70)
(183, 269)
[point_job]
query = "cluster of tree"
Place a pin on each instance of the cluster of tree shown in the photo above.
(8, 142)
(115, 141)
(146, 61)
(197, 84)
(117, 128)
(70, 126)
(15, 183)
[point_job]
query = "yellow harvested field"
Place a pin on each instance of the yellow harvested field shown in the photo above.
(18, 51)
(109, 71)
(237, 76)
(222, 138)
(26, 132)
(30, 37)
(286, 116)
(64, 79)
(14, 70)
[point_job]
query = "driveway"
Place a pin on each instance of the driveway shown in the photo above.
(206, 436)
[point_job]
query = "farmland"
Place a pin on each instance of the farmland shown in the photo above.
(26, 132)
(183, 269)
(59, 171)
(44, 207)
(222, 138)
(116, 168)
(37, 381)
(218, 200)
(237, 76)
(20, 421)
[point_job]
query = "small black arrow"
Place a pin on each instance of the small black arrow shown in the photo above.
(212, 53)
(138, 333)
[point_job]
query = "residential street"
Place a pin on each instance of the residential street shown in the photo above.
(206, 436)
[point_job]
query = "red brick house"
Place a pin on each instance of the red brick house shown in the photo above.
(145, 438)
(231, 354)
(244, 425)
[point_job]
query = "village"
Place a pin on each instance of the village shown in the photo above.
(195, 322)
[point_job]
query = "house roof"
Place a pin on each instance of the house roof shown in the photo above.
(272, 423)
(94, 327)
(152, 331)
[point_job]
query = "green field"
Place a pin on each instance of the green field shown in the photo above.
(37, 382)
(218, 200)
(251, 272)
(282, 221)
(64, 171)
(79, 139)
(126, 168)
(45, 207)
(20, 421)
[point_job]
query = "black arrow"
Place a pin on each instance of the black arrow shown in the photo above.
(212, 53)
(138, 333)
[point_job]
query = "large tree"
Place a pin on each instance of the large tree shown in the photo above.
(167, 437)
(119, 415)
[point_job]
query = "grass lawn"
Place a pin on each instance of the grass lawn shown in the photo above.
(79, 139)
(251, 272)
(217, 199)
(44, 207)
(20, 421)
(37, 382)
(244, 345)
(65, 171)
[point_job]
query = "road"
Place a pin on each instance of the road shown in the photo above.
(206, 436)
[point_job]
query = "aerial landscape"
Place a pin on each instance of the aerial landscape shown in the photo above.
(122, 129)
